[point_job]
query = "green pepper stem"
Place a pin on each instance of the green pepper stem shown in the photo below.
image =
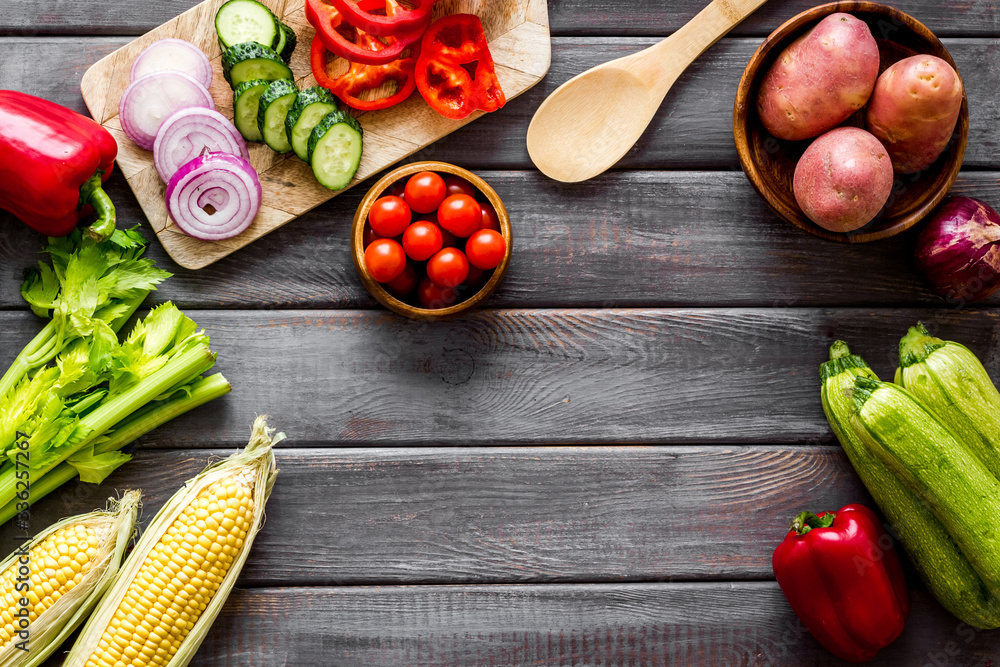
(93, 193)
(806, 521)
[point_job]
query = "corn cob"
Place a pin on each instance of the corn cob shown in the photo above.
(174, 584)
(952, 383)
(61, 575)
(938, 560)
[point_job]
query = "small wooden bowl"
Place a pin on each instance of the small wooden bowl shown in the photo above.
(376, 289)
(769, 163)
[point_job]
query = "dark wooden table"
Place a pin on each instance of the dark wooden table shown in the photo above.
(595, 469)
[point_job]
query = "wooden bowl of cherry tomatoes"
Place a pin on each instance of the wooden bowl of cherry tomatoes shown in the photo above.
(431, 240)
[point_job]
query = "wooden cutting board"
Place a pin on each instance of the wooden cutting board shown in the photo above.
(518, 34)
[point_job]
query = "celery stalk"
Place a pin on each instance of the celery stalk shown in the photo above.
(140, 423)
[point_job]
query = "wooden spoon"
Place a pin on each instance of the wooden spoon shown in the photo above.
(592, 120)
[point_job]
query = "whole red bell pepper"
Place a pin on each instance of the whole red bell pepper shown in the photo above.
(844, 581)
(53, 162)
(449, 46)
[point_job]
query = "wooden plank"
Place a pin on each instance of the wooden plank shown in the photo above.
(693, 129)
(507, 515)
(568, 17)
(739, 623)
(625, 240)
(497, 377)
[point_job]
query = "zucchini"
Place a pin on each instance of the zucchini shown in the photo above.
(950, 381)
(942, 471)
(941, 565)
(272, 111)
(310, 107)
(240, 21)
(287, 42)
(250, 61)
(246, 102)
(335, 147)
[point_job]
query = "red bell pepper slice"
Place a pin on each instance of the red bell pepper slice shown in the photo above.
(331, 28)
(449, 46)
(397, 20)
(359, 77)
(844, 580)
(53, 162)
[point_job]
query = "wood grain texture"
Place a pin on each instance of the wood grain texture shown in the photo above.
(692, 129)
(518, 36)
(568, 17)
(539, 376)
(633, 625)
(506, 515)
(624, 240)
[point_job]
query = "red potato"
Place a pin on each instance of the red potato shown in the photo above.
(843, 179)
(913, 111)
(820, 79)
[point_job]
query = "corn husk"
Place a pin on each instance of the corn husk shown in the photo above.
(257, 459)
(48, 631)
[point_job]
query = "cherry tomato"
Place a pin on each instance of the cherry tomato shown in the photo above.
(385, 260)
(486, 249)
(368, 236)
(421, 240)
(431, 296)
(476, 278)
(425, 192)
(448, 240)
(390, 216)
(490, 218)
(397, 189)
(448, 268)
(457, 185)
(403, 285)
(460, 214)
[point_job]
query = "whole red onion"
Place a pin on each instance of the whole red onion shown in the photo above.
(958, 250)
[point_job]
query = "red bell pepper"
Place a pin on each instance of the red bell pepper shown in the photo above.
(844, 581)
(53, 162)
(448, 46)
(359, 78)
(397, 20)
(331, 28)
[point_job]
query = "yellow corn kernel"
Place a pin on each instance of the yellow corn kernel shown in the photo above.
(179, 576)
(53, 569)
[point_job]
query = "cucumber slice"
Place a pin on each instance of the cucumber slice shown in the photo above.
(250, 61)
(310, 107)
(272, 111)
(286, 43)
(246, 102)
(240, 21)
(335, 150)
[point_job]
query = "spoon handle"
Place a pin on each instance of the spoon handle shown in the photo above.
(673, 55)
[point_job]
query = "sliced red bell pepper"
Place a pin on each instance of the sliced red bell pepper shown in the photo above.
(331, 28)
(449, 46)
(397, 20)
(843, 579)
(359, 77)
(53, 162)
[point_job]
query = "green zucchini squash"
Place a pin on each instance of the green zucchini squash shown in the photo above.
(961, 492)
(949, 380)
(938, 560)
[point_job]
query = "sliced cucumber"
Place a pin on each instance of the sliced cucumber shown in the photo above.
(246, 102)
(335, 150)
(272, 111)
(286, 43)
(311, 105)
(250, 61)
(240, 21)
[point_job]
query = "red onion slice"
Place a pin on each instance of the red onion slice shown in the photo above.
(176, 55)
(149, 101)
(214, 197)
(191, 133)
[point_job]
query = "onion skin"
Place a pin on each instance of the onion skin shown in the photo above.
(958, 250)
